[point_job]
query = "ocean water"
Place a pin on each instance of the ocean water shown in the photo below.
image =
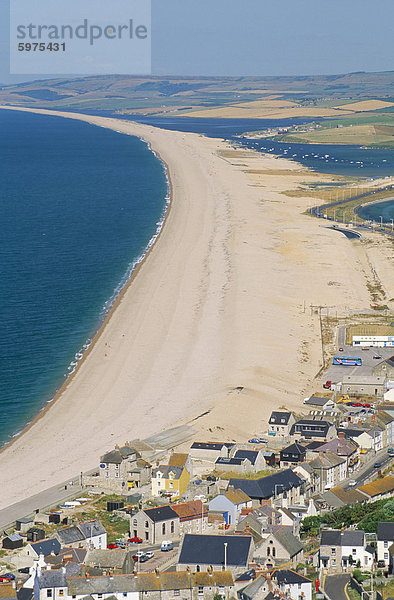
(78, 206)
(373, 212)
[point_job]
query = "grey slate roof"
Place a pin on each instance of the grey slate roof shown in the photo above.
(310, 428)
(166, 469)
(15, 537)
(386, 531)
(161, 513)
(286, 538)
(317, 401)
(209, 550)
(91, 528)
(25, 593)
(264, 488)
(102, 585)
(106, 558)
(251, 455)
(335, 537)
(288, 576)
(70, 535)
(52, 579)
(222, 460)
(45, 547)
(211, 445)
(277, 417)
(252, 589)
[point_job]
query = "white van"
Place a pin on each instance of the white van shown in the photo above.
(166, 545)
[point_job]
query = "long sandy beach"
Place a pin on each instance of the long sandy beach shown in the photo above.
(222, 301)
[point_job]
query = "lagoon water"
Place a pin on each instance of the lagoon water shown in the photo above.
(78, 205)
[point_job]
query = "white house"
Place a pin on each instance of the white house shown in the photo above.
(292, 583)
(342, 549)
(384, 541)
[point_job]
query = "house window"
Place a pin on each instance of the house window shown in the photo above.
(146, 524)
(200, 590)
(268, 551)
(334, 562)
(197, 568)
(386, 556)
(354, 551)
(116, 466)
(221, 589)
(163, 528)
(273, 551)
(386, 544)
(49, 593)
(158, 483)
(172, 526)
(125, 594)
(135, 522)
(332, 550)
(116, 474)
(61, 592)
(177, 593)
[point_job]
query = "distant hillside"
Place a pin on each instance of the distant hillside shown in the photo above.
(177, 95)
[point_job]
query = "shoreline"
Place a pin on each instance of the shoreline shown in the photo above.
(217, 306)
(112, 308)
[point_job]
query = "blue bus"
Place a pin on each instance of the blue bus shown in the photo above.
(349, 361)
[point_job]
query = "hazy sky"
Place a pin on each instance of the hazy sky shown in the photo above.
(259, 37)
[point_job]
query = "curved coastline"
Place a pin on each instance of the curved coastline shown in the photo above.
(198, 319)
(113, 304)
(358, 208)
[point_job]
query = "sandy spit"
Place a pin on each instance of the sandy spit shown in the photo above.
(222, 300)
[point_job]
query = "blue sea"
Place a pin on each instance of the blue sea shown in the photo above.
(79, 206)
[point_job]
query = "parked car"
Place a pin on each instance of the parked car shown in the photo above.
(149, 554)
(377, 357)
(112, 546)
(254, 441)
(211, 478)
(377, 465)
(263, 441)
(367, 405)
(352, 483)
(166, 546)
(7, 577)
(24, 570)
(327, 385)
(365, 348)
(340, 349)
(356, 404)
(381, 564)
(143, 558)
(390, 451)
(135, 540)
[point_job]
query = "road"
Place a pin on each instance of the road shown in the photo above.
(334, 586)
(365, 472)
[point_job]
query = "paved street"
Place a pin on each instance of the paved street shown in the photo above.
(364, 473)
(334, 586)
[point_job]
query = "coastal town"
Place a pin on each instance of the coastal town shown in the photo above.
(301, 510)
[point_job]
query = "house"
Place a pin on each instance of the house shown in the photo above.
(13, 541)
(341, 549)
(379, 489)
(193, 516)
(215, 552)
(44, 547)
(50, 584)
(178, 459)
(367, 438)
(386, 421)
(66, 556)
(385, 539)
(258, 459)
(363, 385)
(250, 525)
(285, 485)
(340, 446)
(311, 478)
(318, 403)
(153, 586)
(256, 589)
(23, 524)
(331, 468)
(280, 423)
(280, 546)
(210, 451)
(170, 480)
(230, 504)
(110, 561)
(292, 584)
(292, 455)
(121, 469)
(154, 525)
(384, 368)
(89, 534)
(313, 429)
(232, 464)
